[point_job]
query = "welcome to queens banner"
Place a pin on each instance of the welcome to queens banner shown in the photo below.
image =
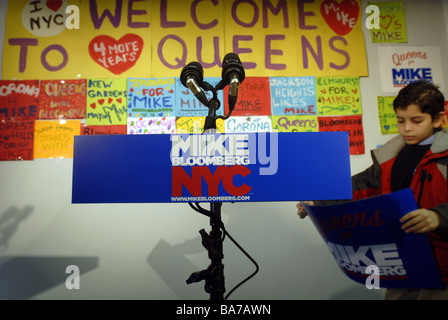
(367, 233)
(155, 38)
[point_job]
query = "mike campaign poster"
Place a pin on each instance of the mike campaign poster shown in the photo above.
(368, 233)
(182, 168)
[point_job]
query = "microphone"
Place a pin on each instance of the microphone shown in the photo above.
(192, 78)
(232, 74)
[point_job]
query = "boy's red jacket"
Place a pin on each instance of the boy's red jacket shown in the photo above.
(429, 186)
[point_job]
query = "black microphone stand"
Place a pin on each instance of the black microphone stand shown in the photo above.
(214, 274)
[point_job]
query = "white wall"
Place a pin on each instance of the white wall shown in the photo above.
(147, 251)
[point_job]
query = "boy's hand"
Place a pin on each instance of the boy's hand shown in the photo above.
(301, 210)
(421, 221)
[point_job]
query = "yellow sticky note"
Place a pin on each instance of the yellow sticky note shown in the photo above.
(55, 138)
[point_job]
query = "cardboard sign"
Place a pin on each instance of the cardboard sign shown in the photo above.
(19, 100)
(211, 167)
(368, 233)
(253, 98)
(338, 96)
(102, 130)
(106, 101)
(54, 138)
(351, 124)
(248, 124)
(196, 125)
(16, 140)
(293, 95)
(392, 23)
(62, 99)
(153, 125)
(295, 123)
(388, 118)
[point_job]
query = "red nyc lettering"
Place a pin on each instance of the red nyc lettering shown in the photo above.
(194, 183)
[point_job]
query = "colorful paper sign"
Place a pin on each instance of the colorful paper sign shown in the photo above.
(102, 130)
(128, 38)
(400, 66)
(16, 140)
(151, 97)
(338, 96)
(62, 99)
(19, 100)
(153, 125)
(295, 123)
(248, 124)
(388, 118)
(54, 138)
(293, 95)
(253, 98)
(106, 101)
(351, 124)
(368, 233)
(211, 167)
(196, 125)
(187, 105)
(392, 23)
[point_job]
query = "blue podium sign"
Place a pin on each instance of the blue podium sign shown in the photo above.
(211, 168)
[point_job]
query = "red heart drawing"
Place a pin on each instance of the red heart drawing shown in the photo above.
(93, 105)
(54, 4)
(101, 101)
(341, 17)
(119, 100)
(388, 23)
(117, 56)
(109, 100)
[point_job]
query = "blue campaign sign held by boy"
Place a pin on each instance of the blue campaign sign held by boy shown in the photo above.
(368, 233)
(211, 167)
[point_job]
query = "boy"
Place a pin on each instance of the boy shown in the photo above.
(417, 158)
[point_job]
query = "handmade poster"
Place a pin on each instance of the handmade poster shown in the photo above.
(106, 101)
(368, 233)
(16, 140)
(295, 123)
(151, 97)
(62, 99)
(338, 96)
(196, 125)
(400, 66)
(388, 119)
(392, 23)
(54, 138)
(187, 105)
(293, 95)
(19, 100)
(102, 130)
(351, 124)
(71, 39)
(253, 98)
(152, 125)
(248, 124)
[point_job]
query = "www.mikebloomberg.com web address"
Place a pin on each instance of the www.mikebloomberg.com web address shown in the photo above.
(210, 199)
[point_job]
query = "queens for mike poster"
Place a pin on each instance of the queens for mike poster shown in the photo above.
(367, 232)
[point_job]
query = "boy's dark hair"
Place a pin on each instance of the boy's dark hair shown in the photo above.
(423, 94)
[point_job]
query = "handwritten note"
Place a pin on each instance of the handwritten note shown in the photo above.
(352, 124)
(62, 99)
(195, 125)
(392, 23)
(338, 96)
(106, 101)
(253, 98)
(153, 125)
(388, 119)
(16, 140)
(248, 124)
(187, 105)
(19, 100)
(295, 123)
(293, 95)
(102, 130)
(151, 97)
(55, 138)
